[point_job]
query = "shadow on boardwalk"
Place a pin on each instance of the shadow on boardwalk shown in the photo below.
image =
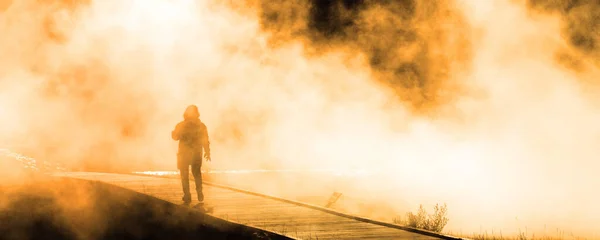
(78, 209)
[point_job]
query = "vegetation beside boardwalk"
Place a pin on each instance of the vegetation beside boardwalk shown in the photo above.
(434, 222)
(437, 220)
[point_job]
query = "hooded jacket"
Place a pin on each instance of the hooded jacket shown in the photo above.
(192, 135)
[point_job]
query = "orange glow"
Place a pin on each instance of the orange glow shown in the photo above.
(501, 131)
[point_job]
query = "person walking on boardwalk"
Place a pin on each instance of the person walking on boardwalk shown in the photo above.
(192, 135)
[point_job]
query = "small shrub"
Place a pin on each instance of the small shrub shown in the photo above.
(432, 222)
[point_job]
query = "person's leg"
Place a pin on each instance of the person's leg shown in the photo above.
(184, 172)
(198, 180)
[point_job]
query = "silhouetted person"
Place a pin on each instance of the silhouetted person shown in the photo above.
(193, 137)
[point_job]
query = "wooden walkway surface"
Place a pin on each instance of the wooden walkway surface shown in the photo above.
(288, 218)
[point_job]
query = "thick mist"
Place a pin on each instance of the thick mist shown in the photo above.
(465, 102)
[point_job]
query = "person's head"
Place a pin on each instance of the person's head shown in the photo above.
(191, 112)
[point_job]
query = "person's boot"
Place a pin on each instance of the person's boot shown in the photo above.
(200, 196)
(186, 200)
(199, 205)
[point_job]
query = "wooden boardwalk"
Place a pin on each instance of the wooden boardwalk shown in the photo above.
(295, 220)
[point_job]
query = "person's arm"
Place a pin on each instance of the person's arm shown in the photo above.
(205, 142)
(176, 134)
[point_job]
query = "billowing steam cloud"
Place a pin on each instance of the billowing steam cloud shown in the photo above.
(411, 46)
(449, 101)
(580, 27)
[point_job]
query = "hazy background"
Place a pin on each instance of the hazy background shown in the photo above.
(489, 106)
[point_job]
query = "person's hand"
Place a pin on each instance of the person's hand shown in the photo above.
(207, 156)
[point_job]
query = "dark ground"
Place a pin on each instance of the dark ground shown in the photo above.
(76, 209)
